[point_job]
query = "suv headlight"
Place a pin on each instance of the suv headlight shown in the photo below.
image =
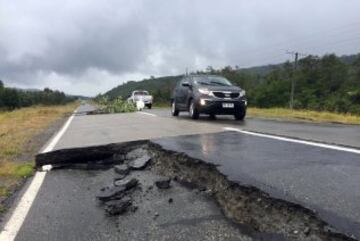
(205, 91)
(242, 93)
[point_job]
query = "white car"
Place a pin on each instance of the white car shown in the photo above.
(141, 95)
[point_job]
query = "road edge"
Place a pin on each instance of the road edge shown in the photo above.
(17, 217)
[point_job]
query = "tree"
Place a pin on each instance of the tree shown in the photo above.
(1, 94)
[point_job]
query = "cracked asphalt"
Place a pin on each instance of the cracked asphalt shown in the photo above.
(65, 208)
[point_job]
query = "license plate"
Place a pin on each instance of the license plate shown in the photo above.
(228, 105)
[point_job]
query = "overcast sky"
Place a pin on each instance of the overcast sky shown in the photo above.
(89, 46)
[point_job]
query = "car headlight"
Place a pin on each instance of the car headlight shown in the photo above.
(242, 93)
(205, 91)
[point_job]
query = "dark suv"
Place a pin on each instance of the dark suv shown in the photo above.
(208, 94)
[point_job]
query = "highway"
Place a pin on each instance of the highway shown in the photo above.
(321, 173)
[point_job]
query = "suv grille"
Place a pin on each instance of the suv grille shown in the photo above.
(223, 95)
(219, 94)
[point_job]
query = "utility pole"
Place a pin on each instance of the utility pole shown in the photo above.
(296, 54)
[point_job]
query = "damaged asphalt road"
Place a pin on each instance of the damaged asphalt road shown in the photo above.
(248, 185)
(322, 180)
(178, 212)
(220, 186)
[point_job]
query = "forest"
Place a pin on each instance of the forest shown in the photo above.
(11, 98)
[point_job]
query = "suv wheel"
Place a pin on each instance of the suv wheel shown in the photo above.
(174, 110)
(240, 115)
(194, 113)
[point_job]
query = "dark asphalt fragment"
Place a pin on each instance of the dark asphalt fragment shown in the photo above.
(127, 183)
(122, 169)
(116, 192)
(163, 183)
(136, 153)
(119, 177)
(117, 207)
(140, 163)
(118, 158)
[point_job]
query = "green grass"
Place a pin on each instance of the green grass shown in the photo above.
(11, 169)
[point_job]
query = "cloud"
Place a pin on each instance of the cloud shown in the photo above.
(88, 46)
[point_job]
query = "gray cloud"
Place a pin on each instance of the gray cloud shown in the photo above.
(87, 47)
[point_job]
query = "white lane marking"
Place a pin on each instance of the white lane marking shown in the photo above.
(17, 218)
(58, 135)
(310, 143)
(146, 113)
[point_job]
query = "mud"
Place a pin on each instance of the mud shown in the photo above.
(244, 205)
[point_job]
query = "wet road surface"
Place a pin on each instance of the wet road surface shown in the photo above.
(347, 135)
(324, 180)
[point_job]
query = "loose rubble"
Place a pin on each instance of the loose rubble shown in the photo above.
(163, 183)
(140, 163)
(122, 169)
(117, 207)
(116, 192)
(117, 196)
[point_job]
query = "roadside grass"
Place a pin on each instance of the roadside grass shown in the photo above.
(307, 115)
(12, 169)
(17, 129)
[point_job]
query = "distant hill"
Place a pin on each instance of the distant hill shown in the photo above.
(167, 83)
(322, 83)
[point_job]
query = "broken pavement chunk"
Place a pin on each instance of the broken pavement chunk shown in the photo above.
(122, 169)
(139, 152)
(118, 157)
(140, 163)
(117, 207)
(127, 183)
(119, 177)
(163, 183)
(116, 192)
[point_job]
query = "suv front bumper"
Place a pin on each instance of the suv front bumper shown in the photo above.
(215, 107)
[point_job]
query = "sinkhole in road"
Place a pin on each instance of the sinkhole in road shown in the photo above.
(242, 204)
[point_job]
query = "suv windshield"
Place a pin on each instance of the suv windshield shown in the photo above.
(141, 93)
(211, 80)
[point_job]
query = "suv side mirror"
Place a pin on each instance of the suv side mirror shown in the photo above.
(186, 84)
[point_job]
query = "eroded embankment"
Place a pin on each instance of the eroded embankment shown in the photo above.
(241, 204)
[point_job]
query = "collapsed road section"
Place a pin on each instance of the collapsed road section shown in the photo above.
(134, 170)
